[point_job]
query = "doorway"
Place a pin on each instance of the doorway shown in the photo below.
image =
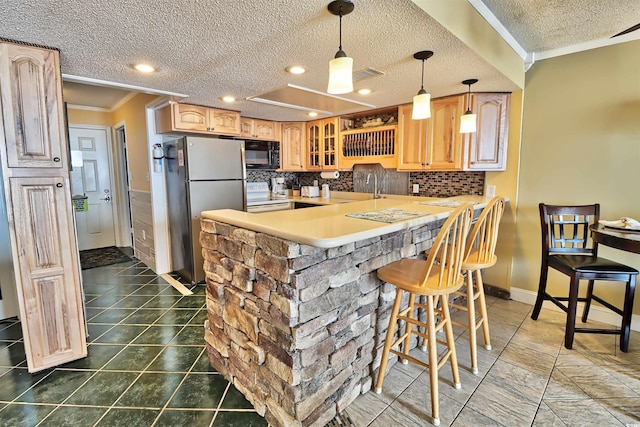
(125, 235)
(91, 186)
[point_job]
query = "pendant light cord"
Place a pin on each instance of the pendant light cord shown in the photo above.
(340, 47)
(469, 101)
(422, 83)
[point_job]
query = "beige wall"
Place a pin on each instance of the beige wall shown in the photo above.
(87, 117)
(133, 115)
(580, 145)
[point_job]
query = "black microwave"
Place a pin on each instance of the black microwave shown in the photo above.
(262, 155)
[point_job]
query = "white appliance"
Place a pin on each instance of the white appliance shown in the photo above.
(260, 199)
(201, 174)
(309, 191)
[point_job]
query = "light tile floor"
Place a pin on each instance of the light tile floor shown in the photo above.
(147, 367)
(527, 379)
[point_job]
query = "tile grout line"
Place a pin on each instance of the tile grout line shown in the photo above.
(177, 388)
(96, 372)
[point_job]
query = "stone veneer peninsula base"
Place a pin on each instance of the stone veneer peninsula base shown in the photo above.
(299, 330)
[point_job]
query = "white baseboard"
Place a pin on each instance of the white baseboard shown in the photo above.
(596, 313)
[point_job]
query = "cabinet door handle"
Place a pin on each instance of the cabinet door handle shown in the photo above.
(56, 159)
(59, 185)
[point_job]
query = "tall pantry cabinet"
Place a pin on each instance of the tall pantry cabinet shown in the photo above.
(35, 166)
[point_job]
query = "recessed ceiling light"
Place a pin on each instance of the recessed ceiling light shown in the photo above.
(364, 91)
(144, 68)
(295, 69)
(313, 114)
(228, 98)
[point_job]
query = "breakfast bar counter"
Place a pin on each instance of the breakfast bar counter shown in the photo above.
(328, 225)
(296, 313)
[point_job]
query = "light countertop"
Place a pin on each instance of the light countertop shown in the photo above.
(327, 226)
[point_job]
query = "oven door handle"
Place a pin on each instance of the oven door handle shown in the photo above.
(269, 208)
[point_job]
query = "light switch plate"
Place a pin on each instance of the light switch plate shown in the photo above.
(491, 191)
(416, 188)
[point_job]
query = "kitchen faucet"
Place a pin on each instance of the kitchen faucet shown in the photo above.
(375, 185)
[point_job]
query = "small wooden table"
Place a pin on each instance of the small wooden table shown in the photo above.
(620, 239)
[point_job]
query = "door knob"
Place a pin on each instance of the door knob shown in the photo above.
(106, 198)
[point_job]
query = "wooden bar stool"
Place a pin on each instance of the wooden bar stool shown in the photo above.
(480, 254)
(435, 278)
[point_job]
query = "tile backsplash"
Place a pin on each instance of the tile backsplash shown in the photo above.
(432, 184)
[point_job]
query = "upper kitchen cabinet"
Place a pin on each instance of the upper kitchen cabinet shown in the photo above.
(444, 151)
(259, 129)
(322, 144)
(292, 157)
(412, 140)
(197, 119)
(434, 143)
(487, 147)
(31, 99)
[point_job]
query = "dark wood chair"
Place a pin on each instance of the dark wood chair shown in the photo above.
(567, 248)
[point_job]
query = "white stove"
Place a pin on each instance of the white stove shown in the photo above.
(259, 199)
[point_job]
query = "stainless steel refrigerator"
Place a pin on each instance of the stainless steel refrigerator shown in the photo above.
(201, 174)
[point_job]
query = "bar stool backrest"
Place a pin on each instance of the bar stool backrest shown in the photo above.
(481, 247)
(447, 252)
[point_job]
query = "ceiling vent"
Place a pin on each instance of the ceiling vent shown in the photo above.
(365, 73)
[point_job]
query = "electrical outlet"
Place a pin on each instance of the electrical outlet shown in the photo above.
(416, 188)
(491, 191)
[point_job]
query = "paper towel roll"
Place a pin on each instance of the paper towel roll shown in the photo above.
(330, 175)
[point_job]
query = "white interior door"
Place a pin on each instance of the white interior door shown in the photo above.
(90, 148)
(8, 296)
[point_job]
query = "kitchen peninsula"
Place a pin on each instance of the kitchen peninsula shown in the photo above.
(296, 313)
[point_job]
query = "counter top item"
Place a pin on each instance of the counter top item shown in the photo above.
(328, 226)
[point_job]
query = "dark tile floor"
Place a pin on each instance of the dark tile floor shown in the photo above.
(147, 365)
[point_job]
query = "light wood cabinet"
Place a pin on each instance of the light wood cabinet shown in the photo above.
(434, 143)
(32, 113)
(50, 292)
(487, 147)
(322, 144)
(292, 157)
(259, 129)
(445, 141)
(197, 119)
(412, 140)
(41, 224)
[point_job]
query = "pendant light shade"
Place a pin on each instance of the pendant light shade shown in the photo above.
(468, 122)
(468, 119)
(422, 101)
(340, 67)
(340, 75)
(421, 106)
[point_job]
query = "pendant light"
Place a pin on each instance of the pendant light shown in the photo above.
(422, 101)
(468, 119)
(340, 67)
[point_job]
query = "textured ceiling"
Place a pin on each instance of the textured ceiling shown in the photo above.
(211, 48)
(540, 25)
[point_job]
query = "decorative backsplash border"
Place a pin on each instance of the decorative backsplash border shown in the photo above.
(432, 184)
